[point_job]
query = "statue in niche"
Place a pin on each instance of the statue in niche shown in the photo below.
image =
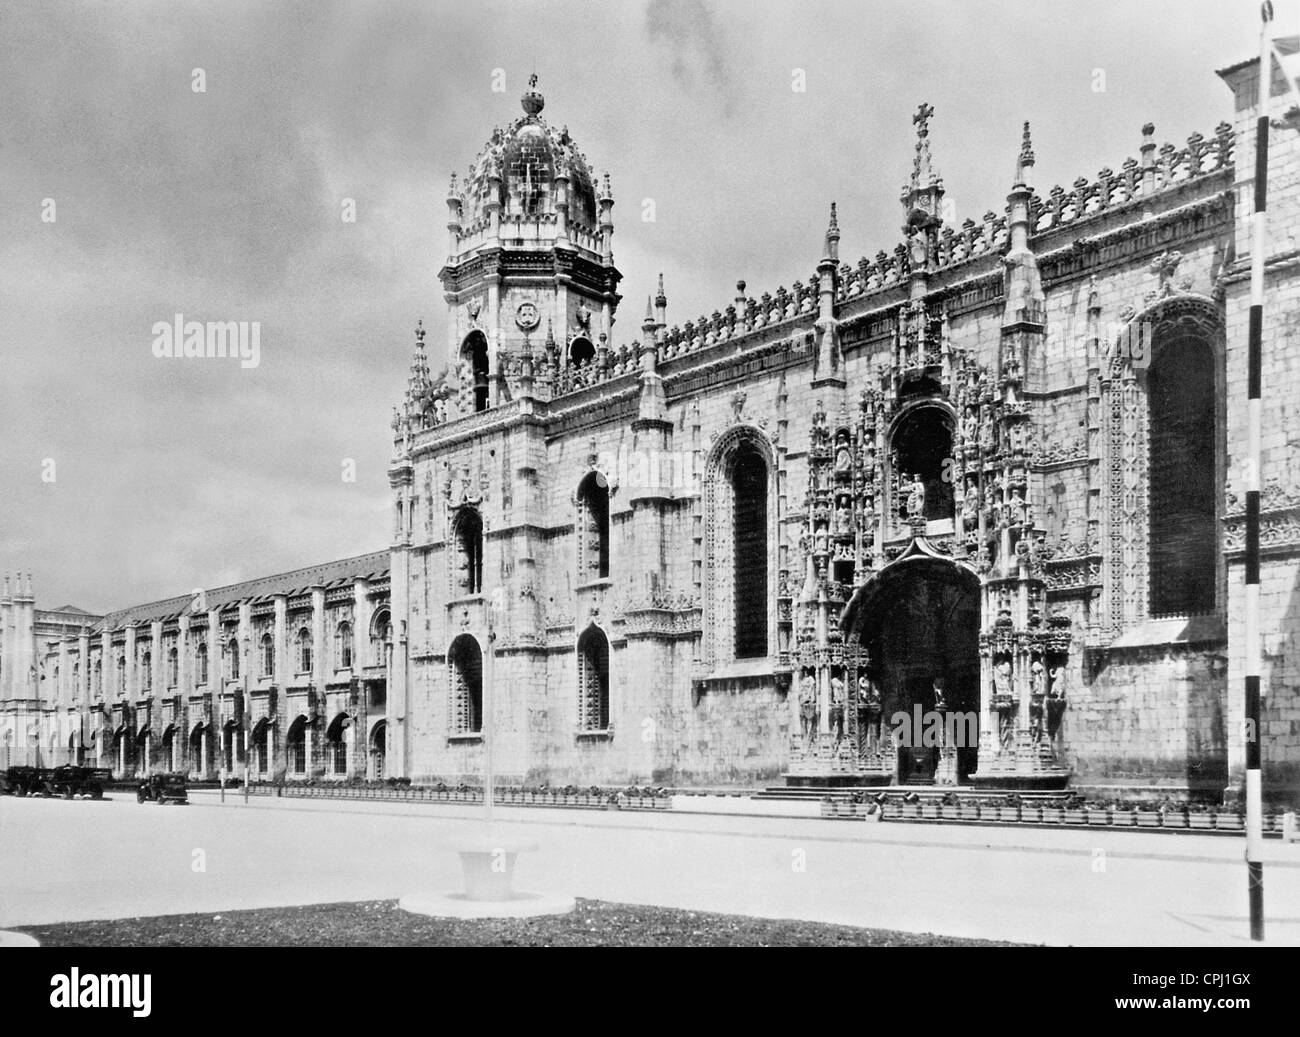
(1055, 701)
(1037, 691)
(916, 498)
(583, 316)
(837, 709)
(870, 711)
(808, 708)
(843, 520)
(843, 460)
(970, 507)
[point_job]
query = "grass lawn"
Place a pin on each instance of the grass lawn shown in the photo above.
(381, 923)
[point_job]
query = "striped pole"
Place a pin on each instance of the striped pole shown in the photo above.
(1259, 243)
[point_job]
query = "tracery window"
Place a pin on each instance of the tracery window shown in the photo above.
(469, 549)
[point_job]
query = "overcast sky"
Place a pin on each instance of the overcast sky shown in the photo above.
(226, 205)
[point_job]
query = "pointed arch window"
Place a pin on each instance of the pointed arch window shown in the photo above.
(474, 357)
(593, 680)
(98, 677)
(201, 664)
(146, 671)
(593, 528)
(121, 675)
(173, 667)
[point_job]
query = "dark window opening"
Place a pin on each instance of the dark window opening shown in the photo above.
(467, 686)
(922, 448)
(1180, 389)
(581, 351)
(593, 681)
(469, 540)
(475, 352)
(749, 521)
(593, 527)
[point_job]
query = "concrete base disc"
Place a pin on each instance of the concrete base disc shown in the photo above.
(9, 938)
(455, 905)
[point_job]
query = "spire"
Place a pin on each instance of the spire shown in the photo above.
(649, 321)
(418, 380)
(1025, 161)
(661, 299)
(832, 250)
(661, 308)
(921, 196)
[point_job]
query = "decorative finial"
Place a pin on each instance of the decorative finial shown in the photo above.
(835, 226)
(1026, 148)
(661, 298)
(419, 333)
(922, 119)
(532, 101)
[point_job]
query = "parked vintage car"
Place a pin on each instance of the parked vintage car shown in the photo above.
(70, 780)
(22, 781)
(163, 788)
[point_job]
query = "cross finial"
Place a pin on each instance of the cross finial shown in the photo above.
(532, 80)
(419, 332)
(922, 119)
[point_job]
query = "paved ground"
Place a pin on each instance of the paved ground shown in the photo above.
(69, 861)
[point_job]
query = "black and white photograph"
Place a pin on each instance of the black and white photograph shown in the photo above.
(650, 474)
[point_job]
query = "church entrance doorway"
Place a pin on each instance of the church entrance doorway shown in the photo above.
(919, 622)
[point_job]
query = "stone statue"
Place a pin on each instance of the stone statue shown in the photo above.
(808, 708)
(870, 711)
(837, 709)
(1055, 706)
(1037, 691)
(916, 498)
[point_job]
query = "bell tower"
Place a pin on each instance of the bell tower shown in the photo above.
(530, 266)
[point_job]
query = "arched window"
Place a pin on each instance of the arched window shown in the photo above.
(76, 678)
(380, 628)
(232, 659)
(345, 646)
(201, 663)
(262, 747)
(121, 675)
(266, 653)
(466, 663)
(469, 550)
(581, 351)
(748, 478)
(336, 744)
(146, 671)
(295, 746)
(593, 528)
(593, 680)
(1180, 393)
(98, 677)
(173, 668)
(474, 353)
(304, 650)
(921, 453)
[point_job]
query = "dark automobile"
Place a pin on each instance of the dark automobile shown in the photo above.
(69, 780)
(23, 781)
(163, 788)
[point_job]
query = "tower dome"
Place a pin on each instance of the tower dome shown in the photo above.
(525, 158)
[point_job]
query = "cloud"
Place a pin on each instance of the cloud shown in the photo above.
(695, 46)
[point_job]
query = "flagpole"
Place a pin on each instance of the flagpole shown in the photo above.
(1259, 244)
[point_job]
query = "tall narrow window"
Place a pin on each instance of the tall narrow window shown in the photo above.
(336, 745)
(1180, 391)
(749, 520)
(121, 675)
(295, 746)
(232, 659)
(99, 677)
(304, 651)
(345, 646)
(201, 664)
(593, 528)
(474, 355)
(146, 672)
(469, 543)
(466, 661)
(593, 680)
(267, 653)
(173, 667)
(380, 628)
